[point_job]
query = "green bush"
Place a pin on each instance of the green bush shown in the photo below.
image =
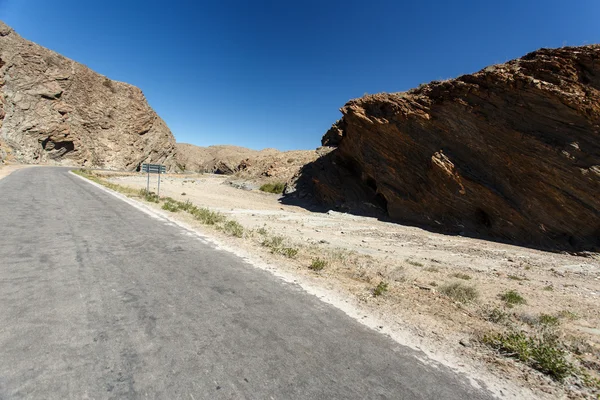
(289, 252)
(151, 197)
(460, 292)
(233, 228)
(187, 206)
(318, 264)
(551, 360)
(170, 206)
(542, 353)
(144, 194)
(207, 216)
(548, 320)
(512, 298)
(274, 242)
(380, 289)
(277, 187)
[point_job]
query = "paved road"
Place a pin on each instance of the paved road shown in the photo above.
(99, 300)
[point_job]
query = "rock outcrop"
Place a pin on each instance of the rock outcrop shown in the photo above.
(222, 159)
(511, 152)
(258, 165)
(54, 110)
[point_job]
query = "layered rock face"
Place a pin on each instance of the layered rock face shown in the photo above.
(511, 152)
(56, 111)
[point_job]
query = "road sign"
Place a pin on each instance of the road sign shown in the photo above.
(153, 169)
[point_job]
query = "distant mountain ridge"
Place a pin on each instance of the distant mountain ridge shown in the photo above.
(266, 164)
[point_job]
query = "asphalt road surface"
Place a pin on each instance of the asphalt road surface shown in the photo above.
(98, 300)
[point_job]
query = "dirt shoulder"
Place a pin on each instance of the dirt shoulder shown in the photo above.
(460, 300)
(8, 169)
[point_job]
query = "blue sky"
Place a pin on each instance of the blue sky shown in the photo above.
(275, 73)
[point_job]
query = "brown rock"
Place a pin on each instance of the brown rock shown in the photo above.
(4, 29)
(334, 135)
(511, 152)
(224, 158)
(244, 164)
(56, 111)
(267, 164)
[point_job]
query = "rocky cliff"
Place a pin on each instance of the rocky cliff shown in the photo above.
(54, 110)
(511, 152)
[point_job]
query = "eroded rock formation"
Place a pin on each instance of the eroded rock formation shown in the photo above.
(511, 152)
(55, 110)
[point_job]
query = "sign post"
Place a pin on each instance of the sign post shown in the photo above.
(148, 183)
(158, 189)
(154, 169)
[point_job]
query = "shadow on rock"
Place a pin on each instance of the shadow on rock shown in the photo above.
(335, 182)
(329, 184)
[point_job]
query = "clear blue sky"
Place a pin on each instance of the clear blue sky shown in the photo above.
(274, 73)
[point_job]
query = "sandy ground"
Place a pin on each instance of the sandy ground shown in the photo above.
(8, 169)
(361, 252)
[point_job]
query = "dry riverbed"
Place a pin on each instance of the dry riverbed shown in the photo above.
(476, 305)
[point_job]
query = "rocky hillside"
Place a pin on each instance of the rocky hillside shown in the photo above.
(222, 159)
(511, 152)
(263, 165)
(54, 110)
